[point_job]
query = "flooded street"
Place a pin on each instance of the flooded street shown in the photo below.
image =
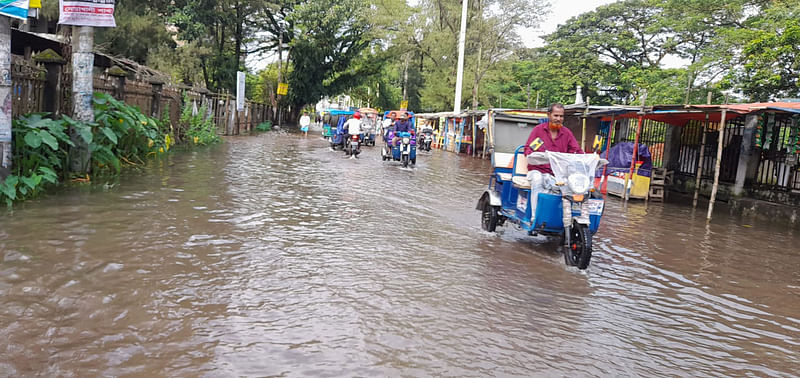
(272, 256)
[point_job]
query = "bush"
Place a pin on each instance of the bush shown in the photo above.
(200, 129)
(120, 134)
(264, 126)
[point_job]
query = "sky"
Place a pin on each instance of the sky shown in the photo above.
(560, 12)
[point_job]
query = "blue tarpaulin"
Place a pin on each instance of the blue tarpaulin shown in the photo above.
(620, 156)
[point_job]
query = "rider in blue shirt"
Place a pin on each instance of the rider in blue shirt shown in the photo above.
(402, 125)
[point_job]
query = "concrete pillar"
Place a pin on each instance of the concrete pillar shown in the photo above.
(82, 92)
(54, 64)
(672, 145)
(748, 155)
(158, 87)
(120, 76)
(6, 152)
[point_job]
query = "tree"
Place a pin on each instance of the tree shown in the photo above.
(329, 48)
(769, 64)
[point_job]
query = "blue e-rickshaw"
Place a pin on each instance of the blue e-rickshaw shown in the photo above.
(333, 129)
(405, 150)
(567, 206)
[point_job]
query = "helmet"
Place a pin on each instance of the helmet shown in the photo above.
(357, 116)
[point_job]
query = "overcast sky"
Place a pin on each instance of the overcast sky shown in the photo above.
(560, 12)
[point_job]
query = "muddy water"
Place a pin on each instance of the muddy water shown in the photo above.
(272, 256)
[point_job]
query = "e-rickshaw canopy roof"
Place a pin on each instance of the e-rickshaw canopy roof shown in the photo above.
(398, 113)
(367, 111)
(336, 112)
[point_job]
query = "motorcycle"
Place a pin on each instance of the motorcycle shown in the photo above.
(426, 139)
(353, 145)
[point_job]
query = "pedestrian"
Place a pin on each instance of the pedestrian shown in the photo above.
(305, 121)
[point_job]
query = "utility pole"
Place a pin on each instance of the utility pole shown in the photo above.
(82, 91)
(528, 101)
(405, 79)
(462, 36)
(280, 66)
(5, 93)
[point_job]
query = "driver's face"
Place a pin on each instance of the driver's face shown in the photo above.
(556, 117)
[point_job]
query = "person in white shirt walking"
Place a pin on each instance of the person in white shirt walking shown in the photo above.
(305, 121)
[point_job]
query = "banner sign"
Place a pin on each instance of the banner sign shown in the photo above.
(283, 89)
(36, 4)
(240, 94)
(97, 13)
(14, 8)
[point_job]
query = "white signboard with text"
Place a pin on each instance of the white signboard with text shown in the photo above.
(240, 95)
(97, 13)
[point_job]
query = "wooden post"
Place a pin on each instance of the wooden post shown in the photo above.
(719, 158)
(697, 180)
(634, 155)
(583, 128)
(473, 137)
(608, 151)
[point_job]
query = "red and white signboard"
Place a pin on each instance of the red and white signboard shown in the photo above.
(98, 13)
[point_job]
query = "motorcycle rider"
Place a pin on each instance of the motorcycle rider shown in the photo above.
(400, 126)
(353, 127)
(427, 129)
(548, 136)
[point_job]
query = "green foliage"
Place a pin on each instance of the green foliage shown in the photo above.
(40, 157)
(264, 126)
(770, 66)
(200, 128)
(140, 30)
(120, 135)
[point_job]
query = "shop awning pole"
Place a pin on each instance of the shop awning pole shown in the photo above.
(583, 128)
(701, 158)
(608, 151)
(634, 155)
(720, 140)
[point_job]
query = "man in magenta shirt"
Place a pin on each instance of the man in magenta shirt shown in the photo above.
(551, 136)
(548, 136)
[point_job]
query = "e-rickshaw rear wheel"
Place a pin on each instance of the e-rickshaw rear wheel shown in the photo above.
(579, 252)
(489, 217)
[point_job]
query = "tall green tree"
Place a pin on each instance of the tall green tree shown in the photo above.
(329, 49)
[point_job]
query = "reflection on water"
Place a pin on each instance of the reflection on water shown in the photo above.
(271, 255)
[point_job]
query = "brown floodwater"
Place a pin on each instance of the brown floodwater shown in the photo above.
(270, 255)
